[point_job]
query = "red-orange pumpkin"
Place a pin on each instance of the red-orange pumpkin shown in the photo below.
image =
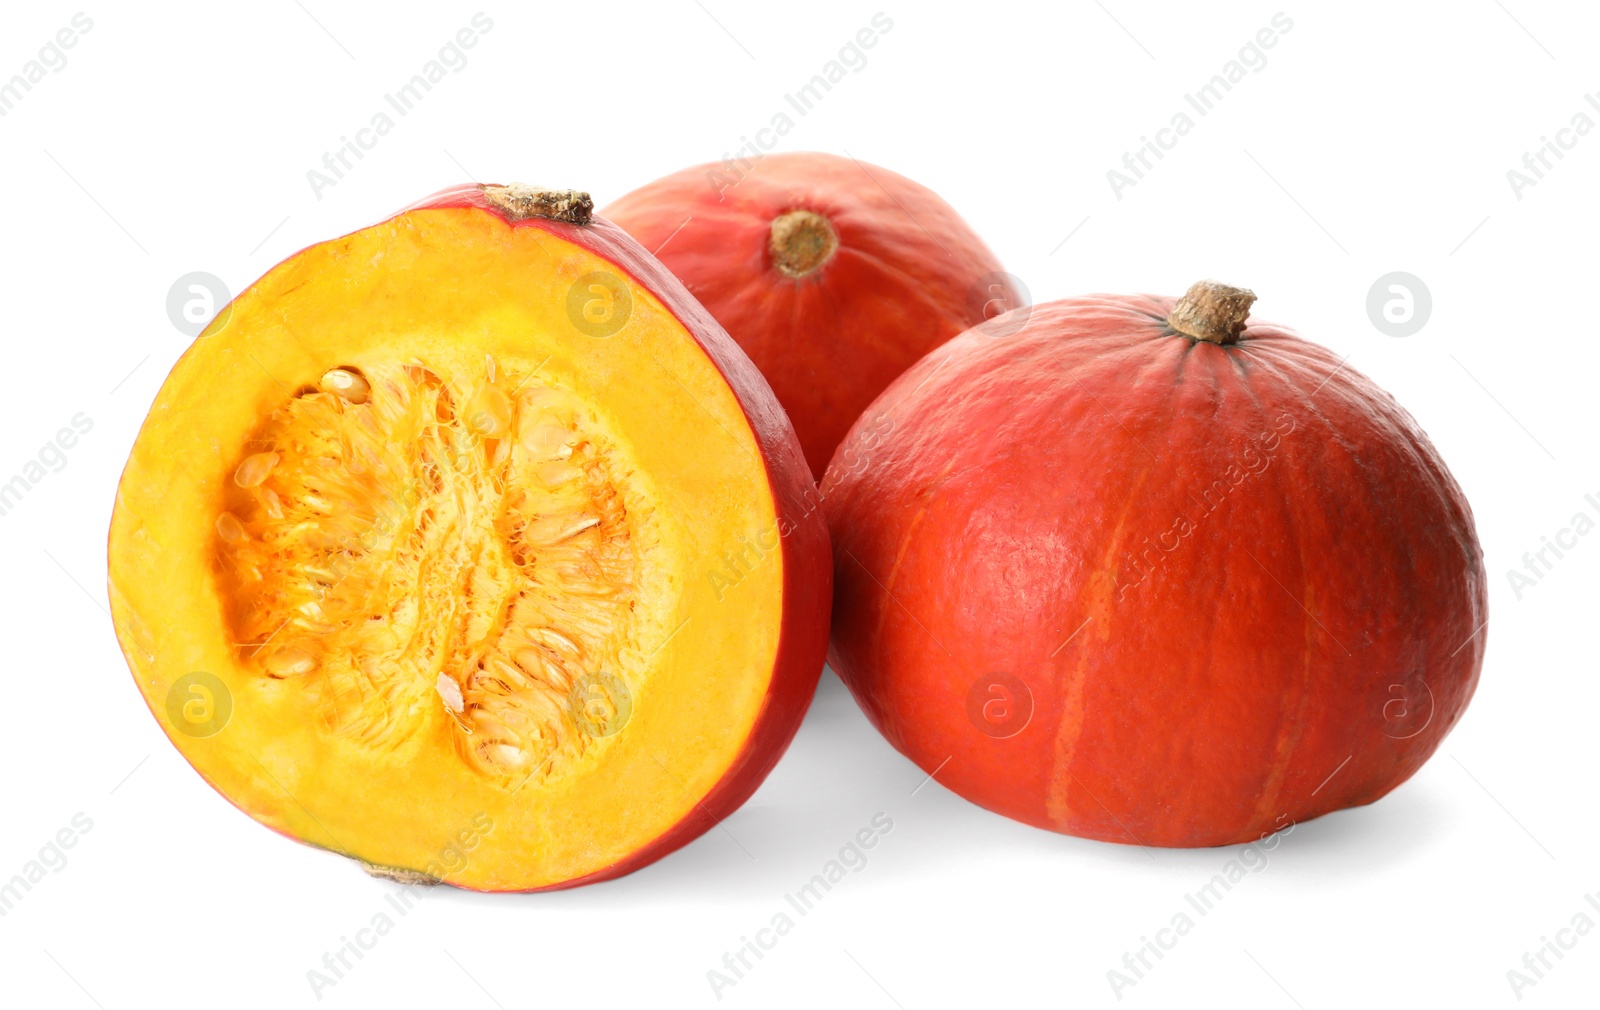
(1149, 573)
(833, 275)
(469, 546)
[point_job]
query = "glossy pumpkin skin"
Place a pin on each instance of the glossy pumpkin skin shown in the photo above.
(460, 270)
(908, 274)
(1236, 587)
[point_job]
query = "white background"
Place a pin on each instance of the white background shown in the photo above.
(1377, 138)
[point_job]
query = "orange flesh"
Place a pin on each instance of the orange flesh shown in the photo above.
(455, 562)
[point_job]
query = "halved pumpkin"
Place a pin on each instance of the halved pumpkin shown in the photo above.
(469, 546)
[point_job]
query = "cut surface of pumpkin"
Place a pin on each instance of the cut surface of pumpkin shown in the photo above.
(482, 528)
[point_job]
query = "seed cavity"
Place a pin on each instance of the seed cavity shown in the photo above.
(398, 545)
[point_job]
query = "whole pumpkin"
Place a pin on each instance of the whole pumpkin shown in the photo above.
(833, 275)
(1150, 572)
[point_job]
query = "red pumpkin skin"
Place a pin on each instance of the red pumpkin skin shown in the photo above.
(907, 275)
(1302, 648)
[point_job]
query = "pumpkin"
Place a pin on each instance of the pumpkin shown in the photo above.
(470, 547)
(1153, 572)
(833, 275)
